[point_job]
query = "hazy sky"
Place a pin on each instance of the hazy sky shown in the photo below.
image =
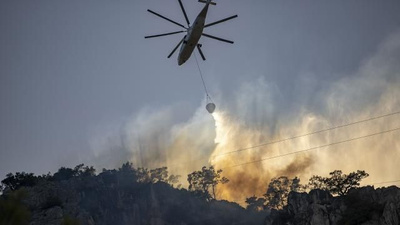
(73, 70)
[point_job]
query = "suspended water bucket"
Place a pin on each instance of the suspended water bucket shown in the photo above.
(210, 107)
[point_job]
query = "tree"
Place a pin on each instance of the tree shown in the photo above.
(159, 175)
(338, 183)
(79, 171)
(145, 175)
(296, 186)
(64, 174)
(13, 182)
(278, 191)
(255, 204)
(204, 180)
(126, 176)
(127, 168)
(156, 175)
(84, 171)
(173, 179)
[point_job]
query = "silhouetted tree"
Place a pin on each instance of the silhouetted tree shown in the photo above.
(46, 177)
(143, 175)
(173, 179)
(278, 191)
(204, 180)
(255, 204)
(338, 183)
(109, 177)
(296, 186)
(156, 175)
(159, 175)
(82, 171)
(64, 174)
(127, 168)
(126, 175)
(13, 182)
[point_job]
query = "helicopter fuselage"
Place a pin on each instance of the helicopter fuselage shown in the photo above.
(193, 32)
(192, 37)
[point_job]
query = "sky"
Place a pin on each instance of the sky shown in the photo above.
(80, 84)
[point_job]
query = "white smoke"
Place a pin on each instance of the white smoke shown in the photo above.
(256, 115)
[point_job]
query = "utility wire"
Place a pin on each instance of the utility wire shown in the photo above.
(314, 148)
(308, 134)
(322, 146)
(295, 137)
(301, 151)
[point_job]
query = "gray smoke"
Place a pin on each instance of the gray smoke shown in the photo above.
(259, 113)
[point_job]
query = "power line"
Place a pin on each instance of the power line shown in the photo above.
(295, 137)
(314, 148)
(308, 134)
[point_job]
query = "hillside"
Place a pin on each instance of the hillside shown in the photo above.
(141, 196)
(116, 197)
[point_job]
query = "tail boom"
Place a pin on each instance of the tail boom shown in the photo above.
(208, 2)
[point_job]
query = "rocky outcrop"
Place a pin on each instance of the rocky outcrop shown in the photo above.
(116, 198)
(91, 201)
(55, 202)
(317, 207)
(365, 205)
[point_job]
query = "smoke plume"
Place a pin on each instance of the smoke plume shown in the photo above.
(256, 115)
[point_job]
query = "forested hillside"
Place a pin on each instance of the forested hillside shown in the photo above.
(131, 195)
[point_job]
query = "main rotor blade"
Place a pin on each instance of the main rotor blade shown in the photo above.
(173, 51)
(184, 13)
(217, 38)
(220, 21)
(150, 11)
(166, 34)
(201, 52)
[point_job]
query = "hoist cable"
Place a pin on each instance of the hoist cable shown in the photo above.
(202, 78)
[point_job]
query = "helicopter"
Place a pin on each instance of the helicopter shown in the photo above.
(193, 32)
